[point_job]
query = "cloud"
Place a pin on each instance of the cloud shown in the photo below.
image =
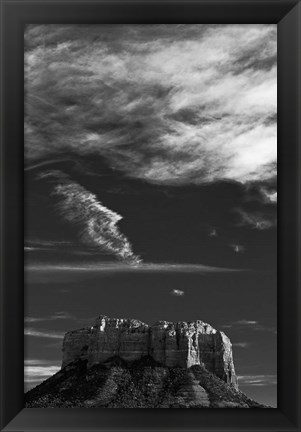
(124, 267)
(30, 249)
(32, 319)
(169, 104)
(56, 247)
(269, 196)
(54, 317)
(46, 244)
(62, 315)
(250, 325)
(237, 248)
(39, 373)
(256, 220)
(96, 223)
(246, 322)
(177, 292)
(43, 333)
(36, 371)
(241, 344)
(39, 362)
(257, 380)
(262, 328)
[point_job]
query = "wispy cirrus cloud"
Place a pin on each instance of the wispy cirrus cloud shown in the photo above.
(246, 322)
(97, 224)
(123, 267)
(256, 220)
(46, 245)
(257, 380)
(38, 370)
(28, 319)
(241, 344)
(170, 104)
(36, 374)
(251, 325)
(56, 316)
(48, 334)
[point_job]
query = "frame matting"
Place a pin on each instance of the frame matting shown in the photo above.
(14, 15)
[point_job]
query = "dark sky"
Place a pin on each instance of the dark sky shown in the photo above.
(150, 185)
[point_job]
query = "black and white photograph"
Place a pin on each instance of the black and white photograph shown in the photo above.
(150, 215)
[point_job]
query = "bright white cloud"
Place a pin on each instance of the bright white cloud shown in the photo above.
(170, 104)
(269, 196)
(177, 292)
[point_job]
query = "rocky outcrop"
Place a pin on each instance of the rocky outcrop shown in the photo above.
(180, 344)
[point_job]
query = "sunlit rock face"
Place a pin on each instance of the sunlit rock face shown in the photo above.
(173, 344)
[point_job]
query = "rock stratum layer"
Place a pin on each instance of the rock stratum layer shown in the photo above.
(181, 344)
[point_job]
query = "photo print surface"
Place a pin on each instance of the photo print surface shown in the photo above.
(150, 164)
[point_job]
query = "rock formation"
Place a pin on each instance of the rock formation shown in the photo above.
(181, 344)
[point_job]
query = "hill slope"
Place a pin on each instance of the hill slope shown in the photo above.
(140, 384)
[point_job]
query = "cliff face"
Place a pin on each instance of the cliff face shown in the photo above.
(179, 344)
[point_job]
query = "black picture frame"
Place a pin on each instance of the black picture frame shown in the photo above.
(14, 15)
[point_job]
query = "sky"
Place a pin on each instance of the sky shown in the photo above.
(150, 169)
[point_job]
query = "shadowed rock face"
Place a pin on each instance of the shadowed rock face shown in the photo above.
(180, 344)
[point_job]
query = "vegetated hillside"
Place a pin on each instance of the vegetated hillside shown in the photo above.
(141, 384)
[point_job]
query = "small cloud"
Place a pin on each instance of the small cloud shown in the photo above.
(213, 233)
(237, 248)
(32, 319)
(265, 329)
(250, 325)
(43, 333)
(62, 315)
(256, 220)
(39, 362)
(257, 380)
(269, 196)
(35, 244)
(59, 246)
(241, 345)
(54, 317)
(177, 293)
(246, 322)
